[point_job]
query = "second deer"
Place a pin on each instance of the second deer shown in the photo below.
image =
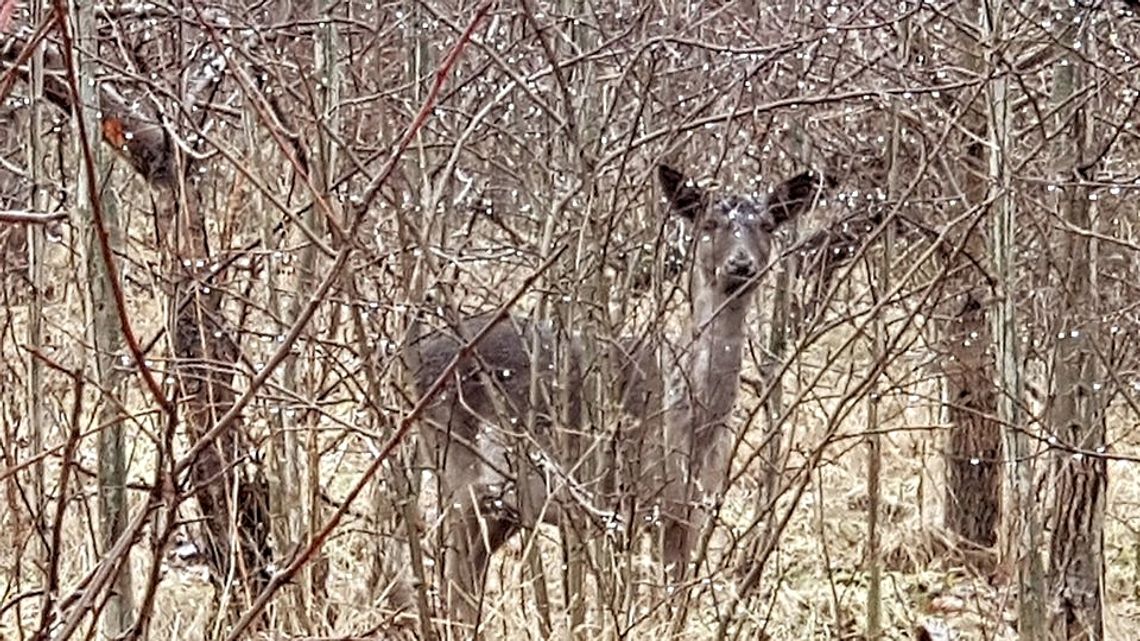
(502, 464)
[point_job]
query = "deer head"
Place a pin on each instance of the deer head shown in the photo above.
(732, 233)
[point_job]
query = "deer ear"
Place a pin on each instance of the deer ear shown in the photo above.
(795, 195)
(685, 198)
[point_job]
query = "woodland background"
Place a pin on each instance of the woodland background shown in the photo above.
(209, 267)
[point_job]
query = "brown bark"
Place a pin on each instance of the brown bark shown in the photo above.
(974, 445)
(204, 349)
(205, 387)
(973, 453)
(1076, 559)
(1076, 552)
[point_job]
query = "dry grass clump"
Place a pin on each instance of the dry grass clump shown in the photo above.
(814, 586)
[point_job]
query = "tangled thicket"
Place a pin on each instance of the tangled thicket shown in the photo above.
(247, 148)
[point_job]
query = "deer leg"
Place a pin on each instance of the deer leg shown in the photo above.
(481, 529)
(676, 547)
(676, 508)
(676, 531)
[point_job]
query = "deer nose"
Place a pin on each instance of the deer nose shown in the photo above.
(741, 266)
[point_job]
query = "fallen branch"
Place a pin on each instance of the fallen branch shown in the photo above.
(29, 217)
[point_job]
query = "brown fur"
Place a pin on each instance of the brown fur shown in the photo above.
(493, 447)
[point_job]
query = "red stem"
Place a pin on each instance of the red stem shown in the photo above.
(99, 222)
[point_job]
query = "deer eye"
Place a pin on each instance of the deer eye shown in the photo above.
(710, 224)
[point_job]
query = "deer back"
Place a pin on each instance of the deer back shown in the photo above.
(492, 383)
(487, 396)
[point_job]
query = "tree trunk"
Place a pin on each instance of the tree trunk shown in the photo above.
(1022, 536)
(880, 348)
(106, 337)
(36, 247)
(295, 447)
(1076, 550)
(973, 452)
(231, 491)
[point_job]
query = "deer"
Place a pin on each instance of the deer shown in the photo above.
(505, 392)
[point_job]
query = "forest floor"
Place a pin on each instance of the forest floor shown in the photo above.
(815, 585)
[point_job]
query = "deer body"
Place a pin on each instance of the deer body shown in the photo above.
(502, 464)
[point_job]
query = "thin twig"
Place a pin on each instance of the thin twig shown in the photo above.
(100, 223)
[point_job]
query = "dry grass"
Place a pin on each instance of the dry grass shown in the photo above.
(813, 588)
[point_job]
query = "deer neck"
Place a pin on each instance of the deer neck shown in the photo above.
(712, 368)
